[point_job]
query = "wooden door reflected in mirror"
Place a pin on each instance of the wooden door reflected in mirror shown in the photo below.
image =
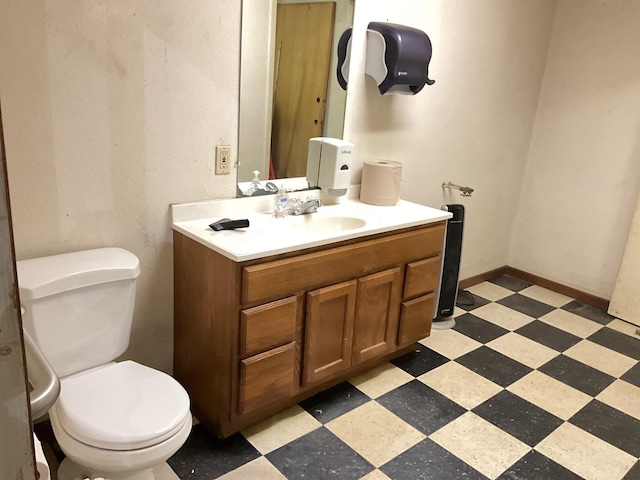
(304, 33)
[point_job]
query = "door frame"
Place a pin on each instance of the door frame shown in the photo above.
(17, 457)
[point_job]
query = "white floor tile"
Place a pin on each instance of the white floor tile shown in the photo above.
(450, 343)
(460, 384)
(624, 327)
(547, 296)
(550, 394)
(481, 444)
(490, 291)
(572, 323)
(522, 349)
(502, 316)
(375, 475)
(600, 358)
(280, 429)
(623, 396)
(375, 433)
(381, 380)
(585, 454)
(260, 468)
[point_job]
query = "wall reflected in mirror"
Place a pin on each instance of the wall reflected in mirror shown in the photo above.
(288, 87)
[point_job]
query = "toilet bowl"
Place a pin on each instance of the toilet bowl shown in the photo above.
(119, 421)
(113, 420)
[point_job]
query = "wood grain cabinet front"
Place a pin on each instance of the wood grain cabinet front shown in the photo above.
(254, 337)
(268, 353)
(419, 296)
(329, 330)
(268, 326)
(375, 328)
(267, 377)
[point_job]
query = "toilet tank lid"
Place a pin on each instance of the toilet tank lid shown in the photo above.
(44, 276)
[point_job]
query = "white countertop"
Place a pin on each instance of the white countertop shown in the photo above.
(267, 235)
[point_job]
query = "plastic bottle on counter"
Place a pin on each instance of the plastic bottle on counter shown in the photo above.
(281, 203)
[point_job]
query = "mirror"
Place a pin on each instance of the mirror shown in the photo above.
(288, 95)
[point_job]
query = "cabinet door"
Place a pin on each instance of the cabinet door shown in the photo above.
(415, 319)
(267, 377)
(377, 309)
(329, 330)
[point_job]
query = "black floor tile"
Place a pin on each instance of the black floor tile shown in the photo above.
(633, 375)
(580, 376)
(512, 283)
(493, 365)
(428, 460)
(587, 311)
(548, 335)
(633, 473)
(421, 406)
(621, 343)
(610, 425)
(525, 421)
(204, 457)
(478, 329)
(526, 305)
(420, 361)
(535, 466)
(319, 455)
(331, 403)
(469, 301)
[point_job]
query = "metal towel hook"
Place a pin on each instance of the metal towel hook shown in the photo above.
(465, 191)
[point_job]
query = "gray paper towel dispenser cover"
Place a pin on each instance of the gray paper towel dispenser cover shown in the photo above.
(398, 58)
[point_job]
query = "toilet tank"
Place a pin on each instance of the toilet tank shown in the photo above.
(78, 306)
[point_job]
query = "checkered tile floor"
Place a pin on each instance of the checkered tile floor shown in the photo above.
(529, 384)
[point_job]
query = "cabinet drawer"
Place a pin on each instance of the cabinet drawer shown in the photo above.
(267, 326)
(286, 276)
(415, 319)
(422, 277)
(266, 378)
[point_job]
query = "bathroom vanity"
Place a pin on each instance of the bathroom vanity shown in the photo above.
(274, 313)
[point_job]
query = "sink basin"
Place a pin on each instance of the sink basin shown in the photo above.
(317, 223)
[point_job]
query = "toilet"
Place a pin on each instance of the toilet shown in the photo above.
(113, 420)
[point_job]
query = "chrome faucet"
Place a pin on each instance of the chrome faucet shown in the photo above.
(298, 207)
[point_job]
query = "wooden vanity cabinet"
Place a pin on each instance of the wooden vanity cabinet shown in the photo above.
(253, 337)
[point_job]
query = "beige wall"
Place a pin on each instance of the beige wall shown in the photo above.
(112, 111)
(473, 126)
(583, 168)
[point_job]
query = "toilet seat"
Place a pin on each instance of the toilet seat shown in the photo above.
(122, 406)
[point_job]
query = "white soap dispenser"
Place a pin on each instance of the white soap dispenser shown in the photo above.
(329, 165)
(281, 203)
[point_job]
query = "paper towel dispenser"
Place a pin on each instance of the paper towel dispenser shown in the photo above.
(344, 57)
(398, 58)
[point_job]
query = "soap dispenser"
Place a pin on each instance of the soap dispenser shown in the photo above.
(256, 185)
(281, 203)
(329, 165)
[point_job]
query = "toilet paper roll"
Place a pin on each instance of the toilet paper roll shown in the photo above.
(380, 182)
